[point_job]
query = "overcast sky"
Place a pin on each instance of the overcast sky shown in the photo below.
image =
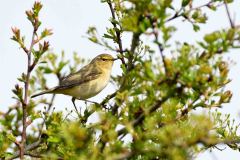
(69, 21)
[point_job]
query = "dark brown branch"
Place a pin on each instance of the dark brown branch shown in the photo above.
(130, 66)
(138, 120)
(141, 117)
(117, 31)
(108, 98)
(160, 47)
(176, 15)
(17, 143)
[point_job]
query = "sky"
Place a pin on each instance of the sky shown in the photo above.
(69, 21)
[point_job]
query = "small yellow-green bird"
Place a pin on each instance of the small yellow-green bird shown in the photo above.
(87, 82)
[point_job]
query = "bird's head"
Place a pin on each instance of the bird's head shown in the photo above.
(104, 61)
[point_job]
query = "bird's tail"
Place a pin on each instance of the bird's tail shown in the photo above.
(43, 92)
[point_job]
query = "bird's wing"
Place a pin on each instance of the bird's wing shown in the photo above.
(84, 75)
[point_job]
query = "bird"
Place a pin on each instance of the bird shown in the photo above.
(87, 82)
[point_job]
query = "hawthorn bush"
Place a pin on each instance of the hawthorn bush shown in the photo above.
(152, 113)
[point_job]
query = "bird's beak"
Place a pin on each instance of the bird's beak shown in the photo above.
(114, 59)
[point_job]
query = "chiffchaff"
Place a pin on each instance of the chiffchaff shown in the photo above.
(87, 82)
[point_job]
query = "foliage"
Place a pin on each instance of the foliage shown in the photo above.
(151, 114)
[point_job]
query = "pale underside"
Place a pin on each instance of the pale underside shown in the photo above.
(86, 89)
(84, 84)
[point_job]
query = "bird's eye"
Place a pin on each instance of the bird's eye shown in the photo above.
(104, 59)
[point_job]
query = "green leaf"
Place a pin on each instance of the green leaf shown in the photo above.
(185, 3)
(46, 70)
(107, 36)
(61, 65)
(53, 139)
(11, 137)
(196, 27)
(210, 38)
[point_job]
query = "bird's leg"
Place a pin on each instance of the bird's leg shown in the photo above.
(91, 102)
(97, 104)
(73, 101)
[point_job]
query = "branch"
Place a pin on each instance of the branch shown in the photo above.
(152, 109)
(180, 14)
(130, 66)
(141, 117)
(134, 44)
(27, 149)
(160, 47)
(44, 119)
(229, 16)
(26, 89)
(118, 32)
(176, 15)
(128, 154)
(109, 97)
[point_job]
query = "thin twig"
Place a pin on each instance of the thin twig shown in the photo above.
(160, 47)
(45, 118)
(28, 148)
(108, 98)
(229, 16)
(25, 104)
(176, 15)
(180, 14)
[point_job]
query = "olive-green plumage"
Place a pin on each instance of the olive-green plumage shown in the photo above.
(88, 81)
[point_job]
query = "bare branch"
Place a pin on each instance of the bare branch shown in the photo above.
(229, 16)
